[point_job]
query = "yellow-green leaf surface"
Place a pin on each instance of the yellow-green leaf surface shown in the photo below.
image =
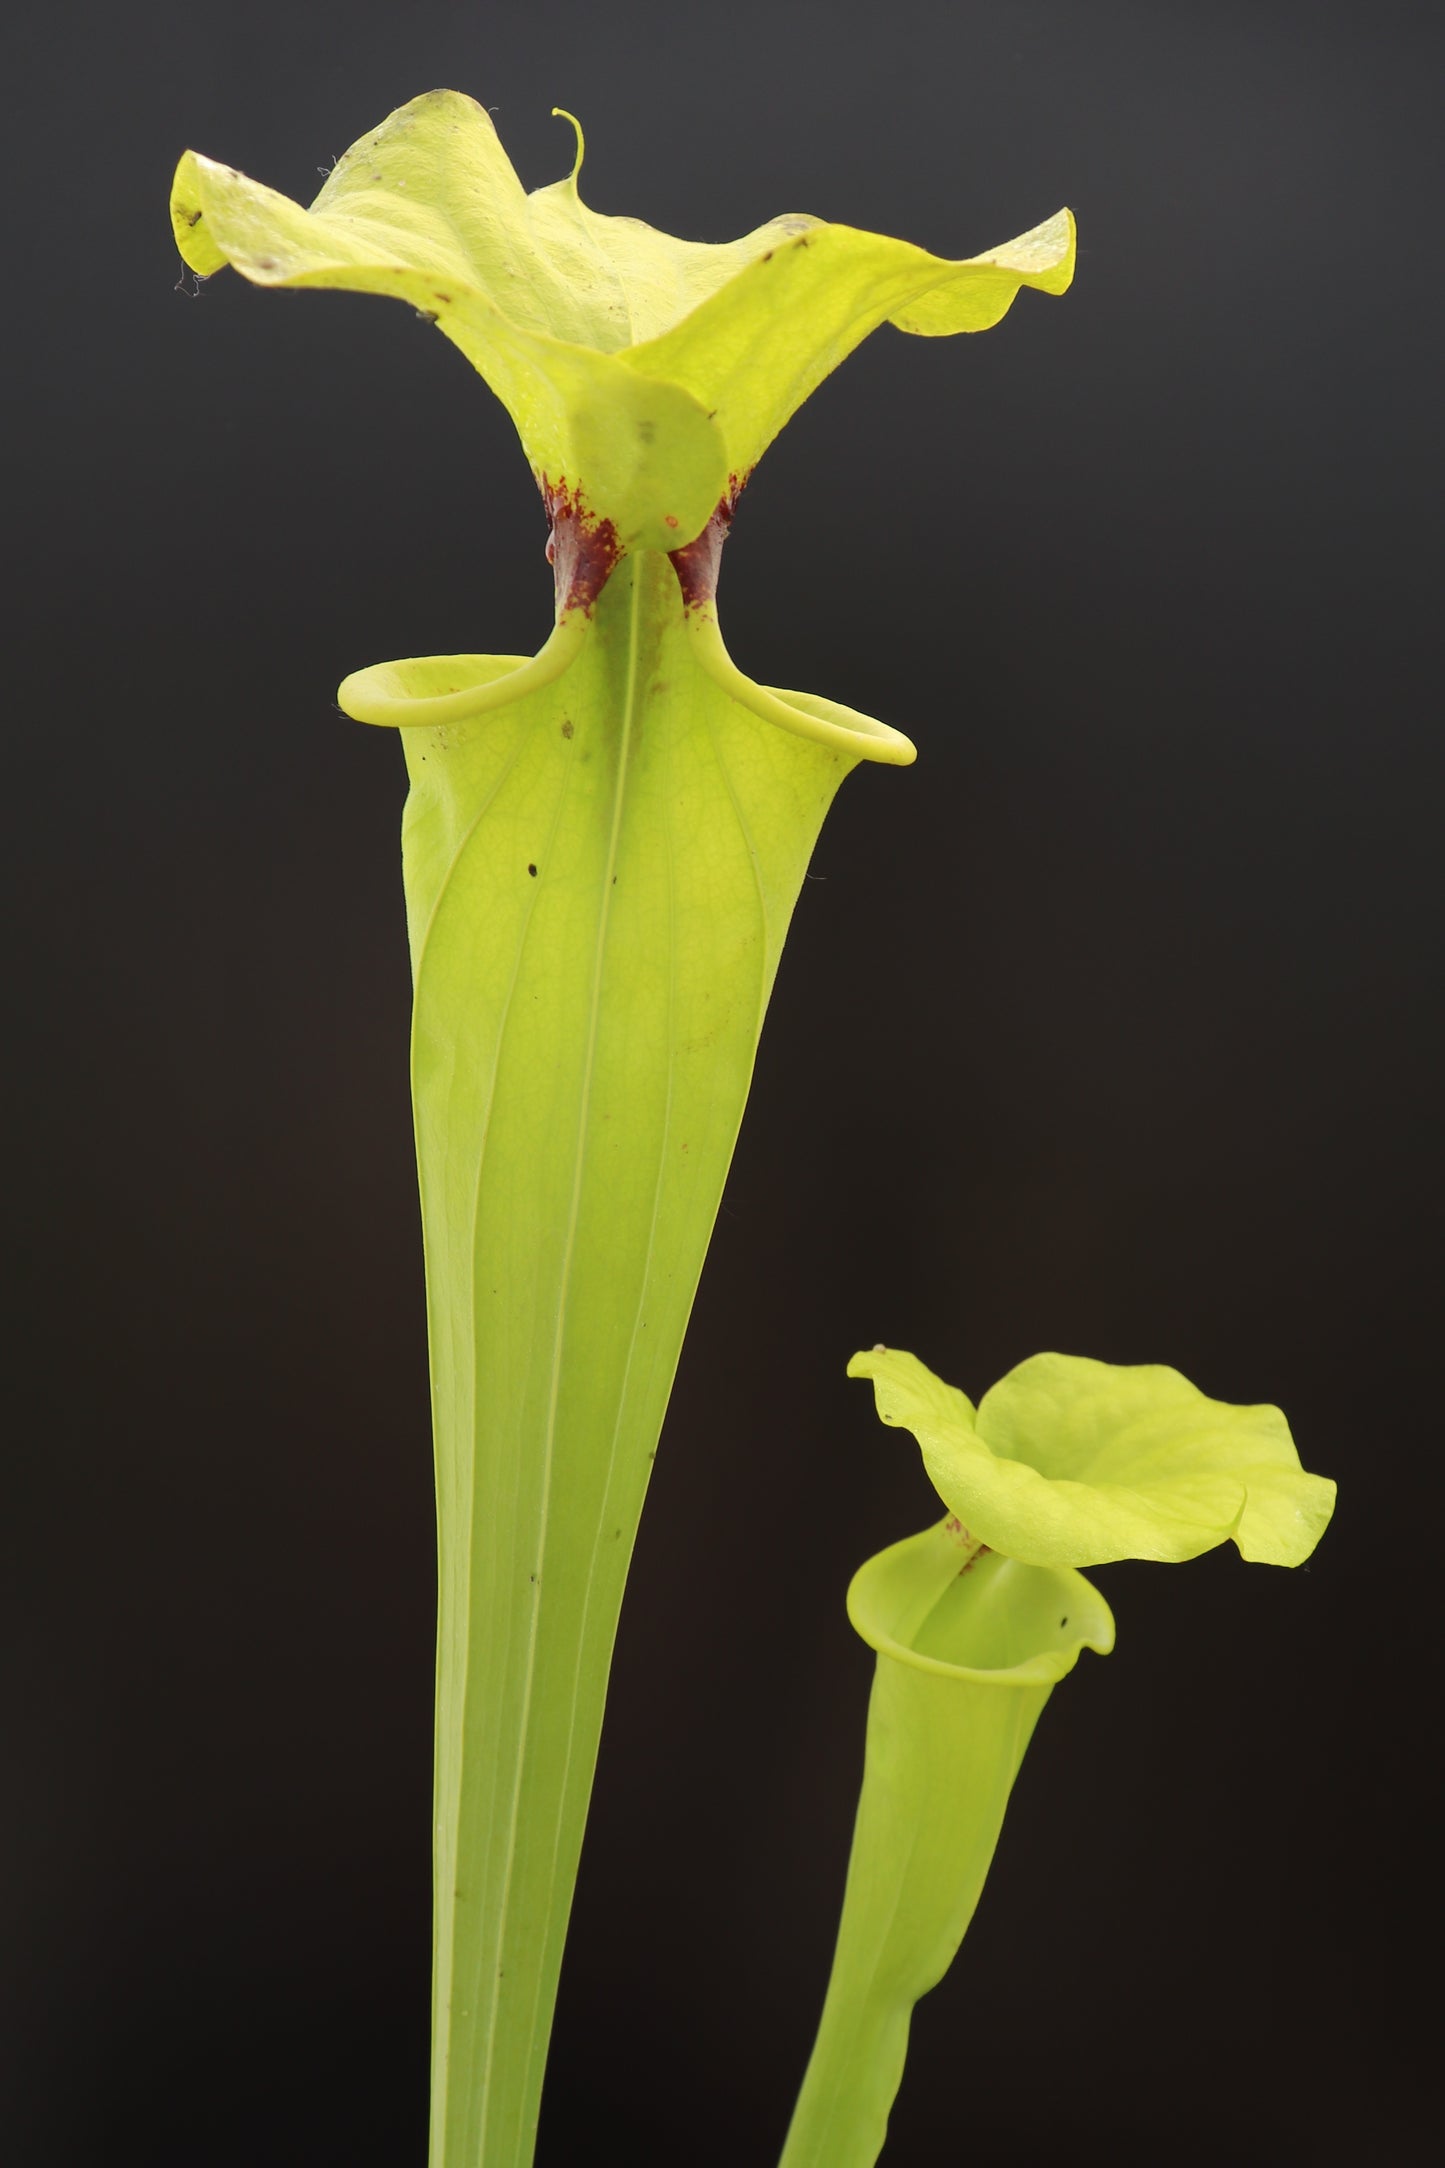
(1065, 1462)
(599, 877)
(1068, 1462)
(968, 1652)
(643, 370)
(602, 848)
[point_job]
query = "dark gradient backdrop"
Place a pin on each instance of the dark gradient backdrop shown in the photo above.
(1113, 1026)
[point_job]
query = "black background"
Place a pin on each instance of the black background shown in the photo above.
(1112, 1026)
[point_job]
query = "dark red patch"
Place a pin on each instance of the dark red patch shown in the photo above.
(581, 548)
(696, 563)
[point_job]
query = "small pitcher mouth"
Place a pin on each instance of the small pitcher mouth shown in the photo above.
(992, 1623)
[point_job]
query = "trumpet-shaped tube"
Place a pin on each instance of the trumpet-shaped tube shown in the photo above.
(968, 1651)
(599, 877)
(601, 849)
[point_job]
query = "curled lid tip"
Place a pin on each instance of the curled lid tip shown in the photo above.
(559, 112)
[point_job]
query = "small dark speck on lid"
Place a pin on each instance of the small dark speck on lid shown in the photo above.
(194, 219)
(533, 871)
(567, 729)
(1063, 1622)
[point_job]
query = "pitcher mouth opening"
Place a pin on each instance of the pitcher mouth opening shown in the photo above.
(993, 1623)
(425, 691)
(804, 715)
